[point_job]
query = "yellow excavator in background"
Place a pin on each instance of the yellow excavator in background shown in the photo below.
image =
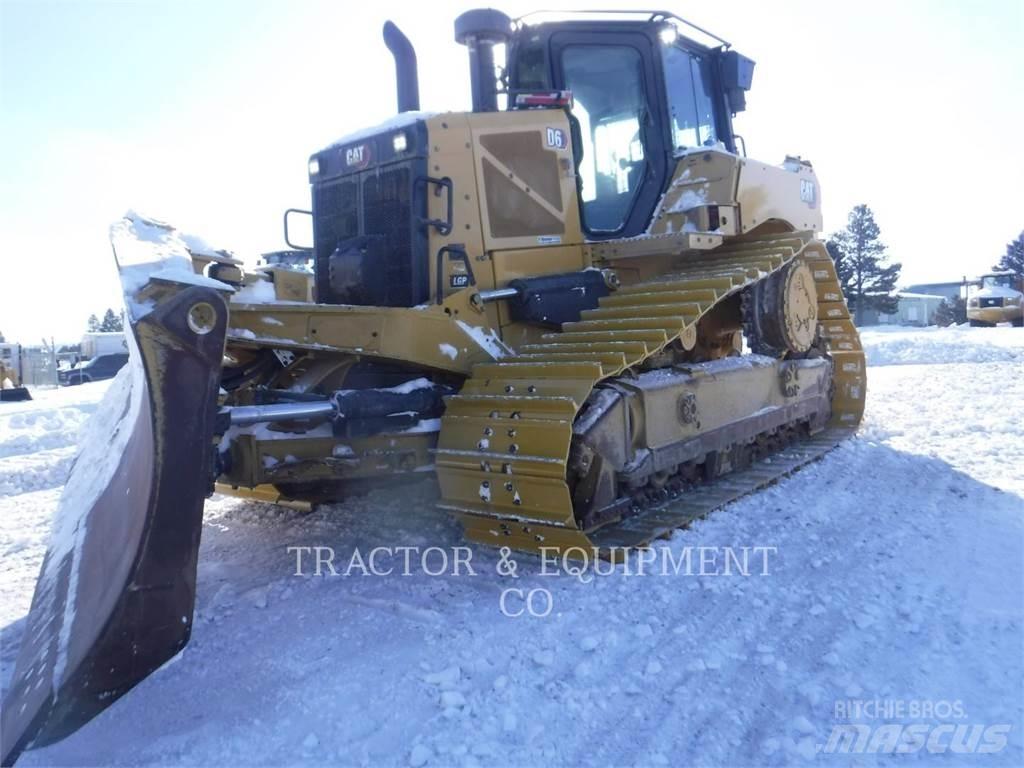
(588, 312)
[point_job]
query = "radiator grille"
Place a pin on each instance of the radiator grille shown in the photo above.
(377, 202)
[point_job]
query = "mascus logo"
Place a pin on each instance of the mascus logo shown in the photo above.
(358, 156)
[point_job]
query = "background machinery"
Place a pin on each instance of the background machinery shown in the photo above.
(998, 298)
(11, 377)
(588, 312)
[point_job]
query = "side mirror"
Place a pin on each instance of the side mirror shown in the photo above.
(306, 229)
(737, 75)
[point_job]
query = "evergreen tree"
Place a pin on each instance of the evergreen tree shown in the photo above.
(111, 322)
(1013, 259)
(950, 312)
(93, 323)
(2, 339)
(867, 279)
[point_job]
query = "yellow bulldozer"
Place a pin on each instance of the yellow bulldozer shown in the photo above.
(587, 312)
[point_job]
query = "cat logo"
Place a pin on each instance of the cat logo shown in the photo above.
(358, 157)
(807, 192)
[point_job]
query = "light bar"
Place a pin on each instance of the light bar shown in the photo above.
(544, 99)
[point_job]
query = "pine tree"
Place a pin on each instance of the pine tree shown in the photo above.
(868, 281)
(1013, 259)
(950, 312)
(111, 322)
(93, 323)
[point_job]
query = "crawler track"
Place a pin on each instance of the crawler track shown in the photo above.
(504, 446)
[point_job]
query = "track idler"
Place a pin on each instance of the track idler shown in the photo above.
(117, 587)
(781, 311)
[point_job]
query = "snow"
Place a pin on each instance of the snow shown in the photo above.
(258, 292)
(488, 340)
(148, 249)
(896, 575)
(688, 200)
(401, 389)
(995, 291)
(896, 345)
(399, 121)
(909, 295)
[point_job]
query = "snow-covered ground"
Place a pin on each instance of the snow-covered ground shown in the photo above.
(896, 584)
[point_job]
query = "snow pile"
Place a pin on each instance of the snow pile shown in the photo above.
(39, 438)
(900, 345)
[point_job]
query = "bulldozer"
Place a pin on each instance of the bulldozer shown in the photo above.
(580, 305)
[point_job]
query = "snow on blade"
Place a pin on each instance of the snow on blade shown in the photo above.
(148, 249)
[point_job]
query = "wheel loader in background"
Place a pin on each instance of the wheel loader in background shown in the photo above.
(588, 313)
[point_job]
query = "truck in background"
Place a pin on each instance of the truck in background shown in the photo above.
(96, 343)
(996, 297)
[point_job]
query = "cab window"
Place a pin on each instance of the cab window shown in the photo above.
(688, 81)
(607, 86)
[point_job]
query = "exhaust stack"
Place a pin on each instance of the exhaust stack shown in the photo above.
(480, 30)
(406, 76)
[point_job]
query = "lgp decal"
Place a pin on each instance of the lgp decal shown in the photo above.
(358, 156)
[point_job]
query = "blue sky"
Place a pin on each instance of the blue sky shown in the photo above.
(204, 114)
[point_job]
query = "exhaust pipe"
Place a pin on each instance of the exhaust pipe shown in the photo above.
(406, 77)
(480, 30)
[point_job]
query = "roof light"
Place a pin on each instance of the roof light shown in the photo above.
(399, 142)
(314, 166)
(668, 34)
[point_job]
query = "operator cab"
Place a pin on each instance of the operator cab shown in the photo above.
(642, 92)
(999, 280)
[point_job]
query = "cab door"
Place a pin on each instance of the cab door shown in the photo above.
(622, 166)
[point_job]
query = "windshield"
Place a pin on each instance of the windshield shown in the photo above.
(689, 86)
(1001, 281)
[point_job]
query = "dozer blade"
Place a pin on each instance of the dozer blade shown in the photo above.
(116, 590)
